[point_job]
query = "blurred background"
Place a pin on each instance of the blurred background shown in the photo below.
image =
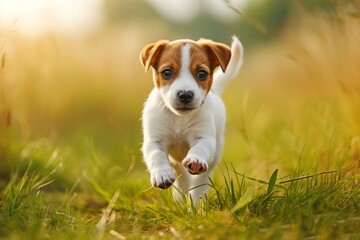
(72, 87)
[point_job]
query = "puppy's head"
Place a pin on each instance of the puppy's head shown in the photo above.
(183, 70)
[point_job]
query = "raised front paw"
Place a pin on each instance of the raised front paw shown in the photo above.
(195, 166)
(162, 178)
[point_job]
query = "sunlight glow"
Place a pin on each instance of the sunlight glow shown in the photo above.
(33, 17)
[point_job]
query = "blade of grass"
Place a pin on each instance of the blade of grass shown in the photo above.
(308, 176)
(272, 181)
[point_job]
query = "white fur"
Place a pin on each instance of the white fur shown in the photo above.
(170, 137)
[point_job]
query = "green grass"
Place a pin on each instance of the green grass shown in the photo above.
(70, 136)
(323, 206)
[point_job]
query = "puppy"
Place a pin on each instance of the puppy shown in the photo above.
(184, 117)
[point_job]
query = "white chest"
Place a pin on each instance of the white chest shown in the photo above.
(180, 131)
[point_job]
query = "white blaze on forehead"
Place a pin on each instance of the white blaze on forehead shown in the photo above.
(185, 58)
(185, 80)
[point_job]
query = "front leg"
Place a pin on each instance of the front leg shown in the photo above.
(161, 173)
(200, 155)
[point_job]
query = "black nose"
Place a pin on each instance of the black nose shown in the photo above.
(185, 96)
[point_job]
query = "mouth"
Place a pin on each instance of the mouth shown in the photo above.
(184, 109)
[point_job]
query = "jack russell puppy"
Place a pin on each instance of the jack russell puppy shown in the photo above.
(184, 117)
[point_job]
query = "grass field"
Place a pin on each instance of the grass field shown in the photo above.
(70, 137)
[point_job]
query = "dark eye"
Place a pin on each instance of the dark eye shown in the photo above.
(167, 73)
(202, 75)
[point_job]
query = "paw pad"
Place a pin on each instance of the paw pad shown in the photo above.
(195, 166)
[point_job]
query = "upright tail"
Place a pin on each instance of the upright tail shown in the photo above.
(221, 79)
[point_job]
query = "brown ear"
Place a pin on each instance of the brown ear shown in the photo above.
(151, 53)
(219, 53)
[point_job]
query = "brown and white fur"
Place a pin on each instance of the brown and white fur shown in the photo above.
(184, 116)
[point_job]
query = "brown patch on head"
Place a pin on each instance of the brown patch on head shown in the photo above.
(162, 56)
(170, 59)
(206, 56)
(150, 53)
(218, 53)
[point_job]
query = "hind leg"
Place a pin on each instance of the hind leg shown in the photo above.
(182, 182)
(193, 187)
(198, 188)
